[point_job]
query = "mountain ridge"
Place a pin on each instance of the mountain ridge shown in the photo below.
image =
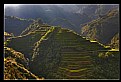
(38, 48)
(99, 29)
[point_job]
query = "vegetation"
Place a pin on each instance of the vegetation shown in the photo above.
(46, 57)
(16, 66)
(102, 29)
(26, 43)
(7, 34)
(115, 42)
(106, 65)
(52, 52)
(62, 54)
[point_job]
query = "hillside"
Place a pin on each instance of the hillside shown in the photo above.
(45, 42)
(15, 63)
(58, 53)
(115, 41)
(15, 25)
(16, 66)
(102, 29)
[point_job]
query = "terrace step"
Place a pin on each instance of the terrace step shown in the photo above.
(76, 67)
(76, 61)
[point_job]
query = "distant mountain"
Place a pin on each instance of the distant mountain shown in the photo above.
(16, 25)
(76, 14)
(46, 12)
(102, 29)
(95, 10)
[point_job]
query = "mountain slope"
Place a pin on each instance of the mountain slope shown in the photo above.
(103, 28)
(16, 66)
(16, 63)
(39, 49)
(115, 42)
(28, 39)
(77, 14)
(16, 25)
(59, 53)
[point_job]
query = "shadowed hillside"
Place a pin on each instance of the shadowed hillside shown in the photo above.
(16, 25)
(102, 29)
(16, 66)
(15, 63)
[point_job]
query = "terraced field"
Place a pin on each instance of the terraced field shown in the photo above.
(58, 53)
(26, 43)
(76, 60)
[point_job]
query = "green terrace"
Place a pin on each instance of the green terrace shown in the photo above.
(57, 53)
